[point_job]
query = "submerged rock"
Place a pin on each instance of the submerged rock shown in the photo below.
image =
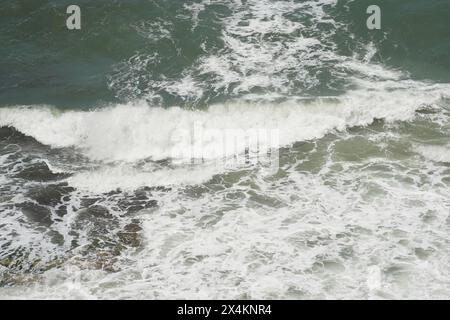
(130, 239)
(56, 237)
(130, 235)
(86, 202)
(40, 172)
(135, 204)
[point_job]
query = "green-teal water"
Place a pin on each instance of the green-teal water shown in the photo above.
(162, 41)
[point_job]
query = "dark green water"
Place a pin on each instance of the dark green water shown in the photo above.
(109, 59)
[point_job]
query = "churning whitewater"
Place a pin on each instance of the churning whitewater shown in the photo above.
(100, 200)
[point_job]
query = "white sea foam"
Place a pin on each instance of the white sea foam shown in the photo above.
(312, 240)
(128, 178)
(134, 132)
(125, 134)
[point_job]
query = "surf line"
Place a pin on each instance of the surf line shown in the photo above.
(201, 311)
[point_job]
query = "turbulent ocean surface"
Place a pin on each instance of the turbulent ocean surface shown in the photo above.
(94, 205)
